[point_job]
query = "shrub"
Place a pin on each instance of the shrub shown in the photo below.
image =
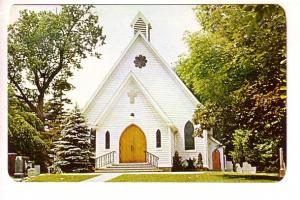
(177, 162)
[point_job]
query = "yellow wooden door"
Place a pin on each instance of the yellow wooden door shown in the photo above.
(132, 145)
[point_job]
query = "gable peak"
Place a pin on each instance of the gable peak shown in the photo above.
(141, 24)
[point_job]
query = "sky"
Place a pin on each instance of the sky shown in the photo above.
(169, 23)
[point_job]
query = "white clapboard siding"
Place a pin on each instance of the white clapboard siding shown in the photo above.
(165, 89)
(200, 147)
(145, 117)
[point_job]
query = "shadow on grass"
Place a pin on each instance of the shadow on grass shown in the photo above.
(252, 177)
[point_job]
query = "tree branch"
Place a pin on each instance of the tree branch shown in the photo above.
(23, 96)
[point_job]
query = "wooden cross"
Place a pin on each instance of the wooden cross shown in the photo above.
(132, 94)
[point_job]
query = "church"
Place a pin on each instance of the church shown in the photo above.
(142, 112)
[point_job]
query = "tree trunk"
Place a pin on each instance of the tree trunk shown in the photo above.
(40, 113)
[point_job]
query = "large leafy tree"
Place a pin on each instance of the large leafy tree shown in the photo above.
(236, 67)
(23, 135)
(44, 47)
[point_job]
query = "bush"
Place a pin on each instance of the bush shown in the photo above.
(177, 162)
(190, 164)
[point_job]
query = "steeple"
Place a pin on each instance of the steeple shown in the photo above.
(140, 23)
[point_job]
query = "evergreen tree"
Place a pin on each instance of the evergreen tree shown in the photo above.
(72, 152)
(56, 112)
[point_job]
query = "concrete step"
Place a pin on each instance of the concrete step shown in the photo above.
(128, 167)
(127, 164)
(106, 170)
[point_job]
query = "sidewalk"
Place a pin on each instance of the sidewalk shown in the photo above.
(103, 177)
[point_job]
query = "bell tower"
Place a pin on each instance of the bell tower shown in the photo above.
(140, 23)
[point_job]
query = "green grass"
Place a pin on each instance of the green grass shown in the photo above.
(221, 177)
(61, 177)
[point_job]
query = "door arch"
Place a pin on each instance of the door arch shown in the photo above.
(132, 145)
(216, 160)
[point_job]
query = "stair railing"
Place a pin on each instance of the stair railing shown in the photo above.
(151, 159)
(105, 159)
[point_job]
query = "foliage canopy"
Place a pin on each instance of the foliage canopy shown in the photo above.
(237, 68)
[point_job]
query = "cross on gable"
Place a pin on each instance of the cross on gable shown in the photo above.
(132, 94)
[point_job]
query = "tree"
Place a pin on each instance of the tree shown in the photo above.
(23, 135)
(240, 143)
(73, 151)
(55, 114)
(236, 67)
(44, 48)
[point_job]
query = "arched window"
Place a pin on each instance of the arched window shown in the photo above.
(107, 140)
(158, 139)
(189, 140)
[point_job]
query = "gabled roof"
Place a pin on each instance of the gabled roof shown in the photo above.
(164, 64)
(116, 96)
(214, 140)
(140, 15)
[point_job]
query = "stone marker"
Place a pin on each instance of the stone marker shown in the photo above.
(282, 164)
(37, 169)
(30, 164)
(229, 166)
(253, 170)
(238, 168)
(19, 167)
(11, 163)
(31, 172)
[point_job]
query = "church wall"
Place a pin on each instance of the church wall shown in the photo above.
(165, 91)
(158, 82)
(200, 147)
(145, 117)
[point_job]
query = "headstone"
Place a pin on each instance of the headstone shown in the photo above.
(19, 167)
(30, 164)
(37, 169)
(25, 164)
(282, 164)
(253, 170)
(31, 172)
(11, 163)
(229, 166)
(238, 168)
(246, 168)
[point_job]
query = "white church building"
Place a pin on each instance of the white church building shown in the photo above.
(142, 112)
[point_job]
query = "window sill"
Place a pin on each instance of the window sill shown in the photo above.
(191, 151)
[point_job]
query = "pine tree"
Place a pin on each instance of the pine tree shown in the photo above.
(73, 151)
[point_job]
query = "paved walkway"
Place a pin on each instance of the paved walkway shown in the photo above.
(108, 176)
(103, 177)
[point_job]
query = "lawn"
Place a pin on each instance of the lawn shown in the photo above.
(61, 177)
(221, 177)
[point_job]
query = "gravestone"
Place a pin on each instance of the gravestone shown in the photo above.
(11, 163)
(25, 164)
(31, 172)
(229, 166)
(30, 164)
(19, 167)
(246, 168)
(253, 170)
(238, 168)
(37, 169)
(282, 164)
